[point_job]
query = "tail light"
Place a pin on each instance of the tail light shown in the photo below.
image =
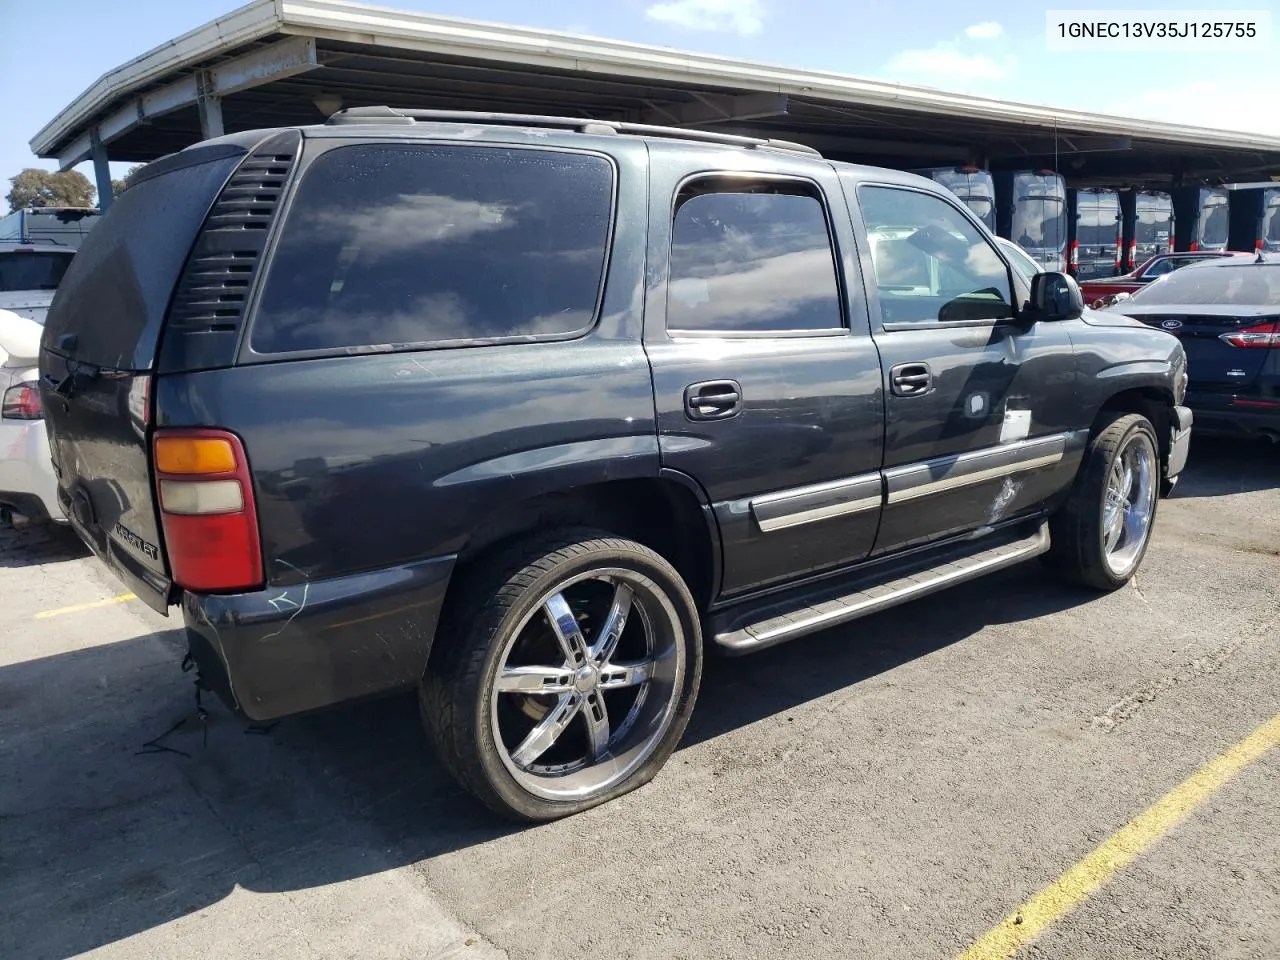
(1194, 247)
(1257, 245)
(1261, 336)
(1119, 255)
(1133, 254)
(22, 403)
(1075, 254)
(207, 510)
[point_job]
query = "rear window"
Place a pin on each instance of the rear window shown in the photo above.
(117, 288)
(391, 245)
(32, 271)
(1215, 222)
(1254, 285)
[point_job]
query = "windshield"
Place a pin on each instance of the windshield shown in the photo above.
(32, 271)
(1020, 259)
(1096, 224)
(1247, 284)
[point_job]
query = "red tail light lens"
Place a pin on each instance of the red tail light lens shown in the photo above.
(22, 403)
(1075, 254)
(207, 510)
(1194, 247)
(1261, 336)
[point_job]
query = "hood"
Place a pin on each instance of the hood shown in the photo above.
(1110, 318)
(19, 339)
(32, 304)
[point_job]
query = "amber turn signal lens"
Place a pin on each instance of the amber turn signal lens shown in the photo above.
(194, 455)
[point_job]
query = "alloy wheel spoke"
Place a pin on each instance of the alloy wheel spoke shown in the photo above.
(614, 624)
(565, 626)
(596, 715)
(615, 676)
(540, 739)
(537, 680)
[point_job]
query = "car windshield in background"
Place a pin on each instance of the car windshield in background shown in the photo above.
(1215, 223)
(32, 271)
(1248, 284)
(1040, 222)
(1096, 225)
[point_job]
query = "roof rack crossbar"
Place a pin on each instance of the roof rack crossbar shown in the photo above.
(576, 124)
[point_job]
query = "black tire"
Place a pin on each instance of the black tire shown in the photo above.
(1077, 552)
(456, 696)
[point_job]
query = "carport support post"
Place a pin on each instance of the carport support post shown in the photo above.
(101, 170)
(209, 105)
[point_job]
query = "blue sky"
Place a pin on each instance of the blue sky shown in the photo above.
(57, 48)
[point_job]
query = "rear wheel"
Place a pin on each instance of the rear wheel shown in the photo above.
(1100, 535)
(566, 677)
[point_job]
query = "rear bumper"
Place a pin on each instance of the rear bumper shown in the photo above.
(288, 650)
(1220, 415)
(27, 483)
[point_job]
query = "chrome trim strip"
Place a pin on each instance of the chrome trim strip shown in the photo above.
(821, 501)
(950, 473)
(819, 513)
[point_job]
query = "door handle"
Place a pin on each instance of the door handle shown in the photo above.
(910, 379)
(713, 400)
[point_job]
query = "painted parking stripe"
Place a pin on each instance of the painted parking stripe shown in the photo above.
(81, 607)
(1114, 854)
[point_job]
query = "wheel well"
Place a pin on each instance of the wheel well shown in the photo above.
(661, 514)
(1150, 402)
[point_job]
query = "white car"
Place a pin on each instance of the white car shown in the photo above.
(27, 483)
(29, 274)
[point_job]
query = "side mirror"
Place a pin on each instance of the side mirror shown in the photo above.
(1055, 296)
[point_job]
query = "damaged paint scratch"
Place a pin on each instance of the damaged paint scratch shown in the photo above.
(1008, 493)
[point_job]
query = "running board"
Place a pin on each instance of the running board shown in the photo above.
(780, 627)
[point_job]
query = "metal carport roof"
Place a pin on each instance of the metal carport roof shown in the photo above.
(279, 62)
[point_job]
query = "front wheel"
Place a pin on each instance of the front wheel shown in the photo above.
(564, 676)
(1100, 535)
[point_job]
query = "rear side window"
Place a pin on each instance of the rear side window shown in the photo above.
(391, 245)
(751, 260)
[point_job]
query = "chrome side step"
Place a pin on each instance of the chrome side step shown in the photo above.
(779, 628)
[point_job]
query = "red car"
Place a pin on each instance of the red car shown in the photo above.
(1097, 291)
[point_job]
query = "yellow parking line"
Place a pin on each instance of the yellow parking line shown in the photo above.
(1078, 883)
(81, 607)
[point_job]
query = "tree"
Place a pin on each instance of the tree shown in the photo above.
(34, 187)
(120, 186)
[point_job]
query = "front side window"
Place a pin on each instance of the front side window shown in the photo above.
(931, 263)
(399, 244)
(751, 259)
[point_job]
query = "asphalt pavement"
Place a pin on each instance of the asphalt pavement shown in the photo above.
(890, 789)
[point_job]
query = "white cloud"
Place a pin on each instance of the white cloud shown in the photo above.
(744, 17)
(987, 30)
(945, 61)
(1201, 103)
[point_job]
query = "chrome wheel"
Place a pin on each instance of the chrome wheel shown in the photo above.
(1129, 504)
(586, 685)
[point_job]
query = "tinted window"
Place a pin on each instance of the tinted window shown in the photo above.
(1170, 264)
(931, 263)
(1246, 285)
(751, 261)
(395, 244)
(1152, 224)
(1215, 222)
(1040, 223)
(32, 271)
(117, 289)
(1271, 225)
(1097, 224)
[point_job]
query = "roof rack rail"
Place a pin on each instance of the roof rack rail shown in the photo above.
(384, 115)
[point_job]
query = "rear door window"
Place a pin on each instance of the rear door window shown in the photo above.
(752, 260)
(396, 245)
